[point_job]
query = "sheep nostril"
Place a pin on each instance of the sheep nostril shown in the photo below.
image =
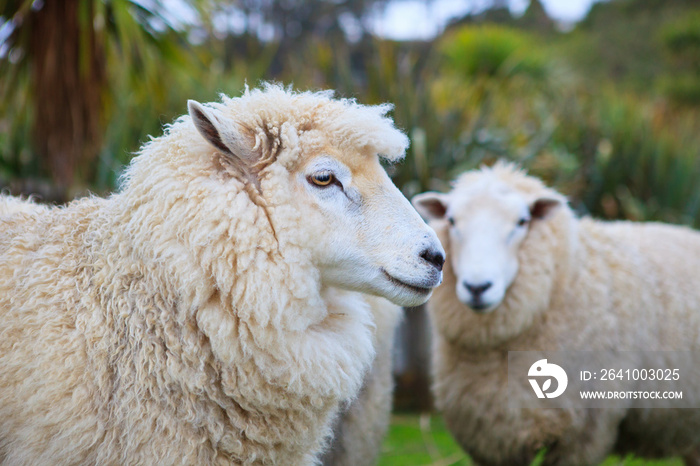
(434, 257)
(477, 290)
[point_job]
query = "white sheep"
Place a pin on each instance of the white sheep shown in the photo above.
(524, 273)
(360, 428)
(212, 311)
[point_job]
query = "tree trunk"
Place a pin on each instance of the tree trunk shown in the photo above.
(68, 79)
(412, 362)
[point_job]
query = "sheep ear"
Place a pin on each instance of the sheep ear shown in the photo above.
(430, 205)
(544, 206)
(222, 133)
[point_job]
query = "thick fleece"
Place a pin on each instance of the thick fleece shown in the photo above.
(182, 320)
(12, 205)
(361, 427)
(582, 284)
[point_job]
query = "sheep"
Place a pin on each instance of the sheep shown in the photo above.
(213, 310)
(525, 274)
(359, 431)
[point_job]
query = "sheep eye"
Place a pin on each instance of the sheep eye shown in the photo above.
(451, 220)
(523, 221)
(322, 179)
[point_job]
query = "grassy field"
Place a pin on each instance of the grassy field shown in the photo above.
(423, 440)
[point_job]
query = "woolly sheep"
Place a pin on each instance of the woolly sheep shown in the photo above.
(212, 311)
(524, 273)
(359, 430)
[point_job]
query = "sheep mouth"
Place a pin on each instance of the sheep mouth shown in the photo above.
(401, 284)
(480, 307)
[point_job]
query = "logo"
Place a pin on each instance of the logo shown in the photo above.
(542, 368)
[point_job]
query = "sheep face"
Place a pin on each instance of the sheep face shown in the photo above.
(373, 240)
(487, 226)
(361, 232)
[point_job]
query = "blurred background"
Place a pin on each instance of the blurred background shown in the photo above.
(600, 99)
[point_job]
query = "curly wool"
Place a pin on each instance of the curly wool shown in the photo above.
(14, 205)
(181, 320)
(582, 285)
(361, 427)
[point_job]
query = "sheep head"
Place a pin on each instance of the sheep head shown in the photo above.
(320, 158)
(487, 220)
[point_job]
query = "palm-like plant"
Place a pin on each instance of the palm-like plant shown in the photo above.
(62, 50)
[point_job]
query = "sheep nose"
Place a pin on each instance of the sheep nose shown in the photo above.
(434, 257)
(477, 290)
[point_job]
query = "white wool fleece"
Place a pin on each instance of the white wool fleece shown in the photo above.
(582, 284)
(183, 320)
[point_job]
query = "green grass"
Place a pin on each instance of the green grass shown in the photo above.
(631, 461)
(420, 439)
(423, 440)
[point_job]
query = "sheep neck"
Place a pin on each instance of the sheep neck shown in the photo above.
(247, 313)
